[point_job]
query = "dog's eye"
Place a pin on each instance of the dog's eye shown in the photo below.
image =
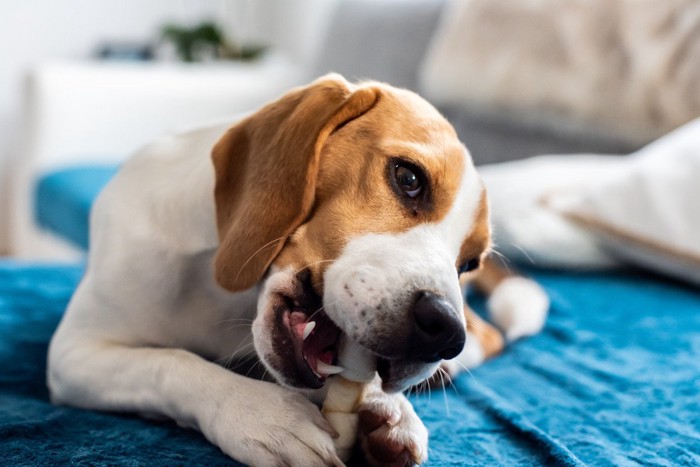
(408, 180)
(469, 265)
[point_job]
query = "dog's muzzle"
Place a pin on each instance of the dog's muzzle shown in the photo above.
(305, 339)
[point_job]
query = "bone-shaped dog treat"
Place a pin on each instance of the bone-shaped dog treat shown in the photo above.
(345, 392)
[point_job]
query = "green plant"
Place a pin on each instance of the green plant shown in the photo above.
(206, 37)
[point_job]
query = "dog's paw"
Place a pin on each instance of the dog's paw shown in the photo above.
(275, 426)
(519, 307)
(390, 432)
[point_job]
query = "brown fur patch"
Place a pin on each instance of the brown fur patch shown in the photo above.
(490, 338)
(353, 193)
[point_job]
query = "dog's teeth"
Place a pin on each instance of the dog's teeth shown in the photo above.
(326, 369)
(308, 328)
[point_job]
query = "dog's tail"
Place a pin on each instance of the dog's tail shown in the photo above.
(516, 304)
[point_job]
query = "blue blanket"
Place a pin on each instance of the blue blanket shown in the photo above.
(614, 379)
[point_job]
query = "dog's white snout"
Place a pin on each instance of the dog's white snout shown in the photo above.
(355, 298)
(371, 292)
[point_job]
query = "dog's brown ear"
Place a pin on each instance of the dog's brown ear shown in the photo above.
(266, 169)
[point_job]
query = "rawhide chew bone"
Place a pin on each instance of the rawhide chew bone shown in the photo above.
(345, 392)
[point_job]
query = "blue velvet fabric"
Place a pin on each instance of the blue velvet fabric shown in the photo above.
(63, 199)
(614, 379)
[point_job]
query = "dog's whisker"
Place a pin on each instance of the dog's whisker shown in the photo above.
(443, 373)
(224, 361)
(501, 257)
(252, 367)
(311, 316)
(468, 371)
(451, 381)
(260, 250)
(245, 344)
(525, 253)
(236, 353)
(231, 320)
(505, 262)
(313, 264)
(257, 364)
(235, 326)
(449, 377)
(409, 391)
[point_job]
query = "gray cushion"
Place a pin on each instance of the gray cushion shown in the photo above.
(383, 40)
(386, 40)
(496, 137)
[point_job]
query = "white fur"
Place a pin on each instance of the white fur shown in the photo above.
(519, 307)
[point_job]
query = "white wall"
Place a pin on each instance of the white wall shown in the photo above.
(32, 31)
(35, 31)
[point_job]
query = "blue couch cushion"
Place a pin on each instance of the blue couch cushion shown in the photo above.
(64, 197)
(613, 379)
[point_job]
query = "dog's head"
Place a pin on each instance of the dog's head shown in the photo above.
(359, 207)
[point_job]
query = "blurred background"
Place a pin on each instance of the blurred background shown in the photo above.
(81, 82)
(84, 84)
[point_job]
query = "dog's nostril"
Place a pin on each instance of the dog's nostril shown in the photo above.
(438, 332)
(452, 352)
(428, 319)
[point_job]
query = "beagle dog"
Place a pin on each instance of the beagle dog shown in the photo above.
(354, 207)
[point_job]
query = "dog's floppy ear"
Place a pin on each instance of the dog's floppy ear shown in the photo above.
(266, 169)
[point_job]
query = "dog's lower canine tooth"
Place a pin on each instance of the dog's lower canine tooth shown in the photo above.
(308, 328)
(326, 369)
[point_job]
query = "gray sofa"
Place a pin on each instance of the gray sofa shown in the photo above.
(386, 40)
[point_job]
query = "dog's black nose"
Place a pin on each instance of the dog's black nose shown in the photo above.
(438, 333)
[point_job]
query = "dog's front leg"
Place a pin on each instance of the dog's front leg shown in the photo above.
(390, 432)
(255, 422)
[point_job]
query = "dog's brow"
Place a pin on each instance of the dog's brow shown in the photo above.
(412, 150)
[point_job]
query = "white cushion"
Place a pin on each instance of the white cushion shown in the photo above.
(525, 230)
(649, 212)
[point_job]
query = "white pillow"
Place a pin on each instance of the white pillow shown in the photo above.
(525, 230)
(649, 212)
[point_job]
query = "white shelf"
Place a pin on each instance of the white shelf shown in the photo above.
(101, 112)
